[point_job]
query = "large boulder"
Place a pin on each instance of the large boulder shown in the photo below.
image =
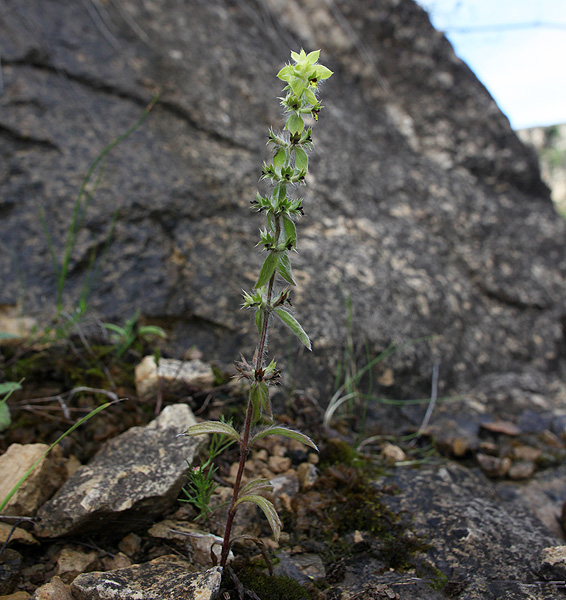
(423, 205)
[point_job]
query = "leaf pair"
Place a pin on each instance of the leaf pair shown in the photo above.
(227, 430)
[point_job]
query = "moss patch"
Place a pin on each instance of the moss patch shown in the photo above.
(345, 501)
(271, 587)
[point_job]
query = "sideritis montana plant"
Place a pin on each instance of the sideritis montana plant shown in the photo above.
(271, 294)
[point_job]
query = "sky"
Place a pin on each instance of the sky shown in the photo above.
(517, 48)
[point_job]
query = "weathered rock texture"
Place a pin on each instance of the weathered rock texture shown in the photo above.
(422, 204)
(485, 547)
(166, 578)
(132, 479)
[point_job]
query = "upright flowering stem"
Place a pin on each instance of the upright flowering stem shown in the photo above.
(289, 167)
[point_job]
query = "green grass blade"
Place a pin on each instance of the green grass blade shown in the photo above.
(78, 209)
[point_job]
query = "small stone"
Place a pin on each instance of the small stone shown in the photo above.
(136, 475)
(386, 378)
(35, 574)
(460, 447)
(12, 322)
(285, 500)
(526, 453)
(358, 537)
(304, 567)
(130, 545)
(166, 578)
(176, 376)
(504, 427)
(260, 455)
(18, 534)
(522, 469)
(54, 590)
(279, 450)
(285, 484)
(296, 446)
(553, 563)
(307, 474)
(551, 439)
(45, 479)
(16, 596)
(71, 563)
(279, 464)
(489, 448)
(118, 561)
(493, 466)
(392, 454)
(72, 465)
(314, 458)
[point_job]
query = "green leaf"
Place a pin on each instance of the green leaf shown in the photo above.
(115, 329)
(290, 230)
(321, 72)
(8, 387)
(284, 268)
(280, 192)
(257, 485)
(295, 124)
(294, 325)
(310, 97)
(5, 417)
(285, 73)
(255, 401)
(312, 57)
(297, 85)
(279, 158)
(267, 270)
(301, 159)
(266, 401)
(152, 330)
(259, 398)
(286, 432)
(213, 427)
(268, 509)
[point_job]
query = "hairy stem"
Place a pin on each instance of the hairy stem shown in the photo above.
(244, 444)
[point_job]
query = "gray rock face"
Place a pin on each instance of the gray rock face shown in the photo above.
(422, 203)
(166, 578)
(485, 547)
(131, 480)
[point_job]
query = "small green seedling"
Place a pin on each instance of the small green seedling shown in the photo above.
(6, 390)
(125, 337)
(272, 290)
(200, 479)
